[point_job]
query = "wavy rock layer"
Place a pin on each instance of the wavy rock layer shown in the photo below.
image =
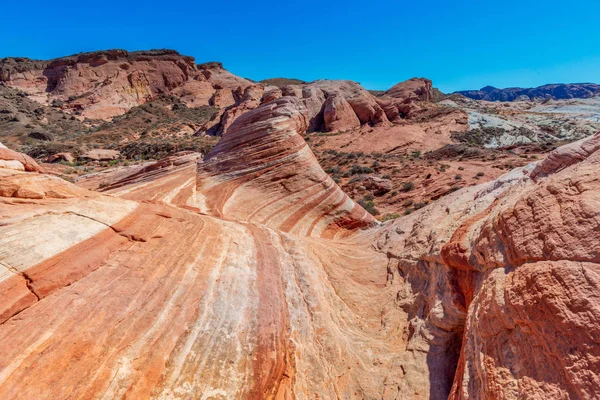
(262, 171)
(491, 292)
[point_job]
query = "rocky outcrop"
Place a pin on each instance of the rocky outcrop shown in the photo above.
(555, 91)
(415, 89)
(18, 161)
(338, 115)
(287, 289)
(263, 152)
(331, 106)
(250, 99)
(100, 155)
(514, 263)
(108, 83)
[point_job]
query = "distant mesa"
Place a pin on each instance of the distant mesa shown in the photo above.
(553, 92)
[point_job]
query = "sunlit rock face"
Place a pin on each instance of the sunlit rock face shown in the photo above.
(262, 171)
(253, 276)
(103, 84)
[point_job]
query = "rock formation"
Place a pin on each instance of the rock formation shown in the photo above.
(555, 91)
(256, 277)
(415, 89)
(13, 160)
(332, 105)
(262, 171)
(107, 83)
(338, 115)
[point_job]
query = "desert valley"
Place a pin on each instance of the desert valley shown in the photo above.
(171, 230)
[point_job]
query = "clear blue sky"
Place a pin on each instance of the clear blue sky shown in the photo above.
(458, 44)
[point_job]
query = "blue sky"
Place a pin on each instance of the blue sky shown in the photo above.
(458, 44)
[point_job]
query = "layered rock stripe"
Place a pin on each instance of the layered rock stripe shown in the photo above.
(256, 277)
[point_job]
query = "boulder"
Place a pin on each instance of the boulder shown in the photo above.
(415, 89)
(67, 157)
(100, 155)
(18, 161)
(338, 115)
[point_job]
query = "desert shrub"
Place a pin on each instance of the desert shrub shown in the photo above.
(333, 170)
(369, 206)
(358, 169)
(390, 216)
(47, 149)
(161, 148)
(416, 206)
(408, 186)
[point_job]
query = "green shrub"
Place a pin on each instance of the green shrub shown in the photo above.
(369, 206)
(358, 169)
(388, 217)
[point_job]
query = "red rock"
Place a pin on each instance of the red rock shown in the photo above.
(67, 157)
(415, 89)
(338, 115)
(363, 103)
(101, 155)
(289, 289)
(108, 83)
(249, 101)
(15, 160)
(222, 98)
(243, 163)
(271, 95)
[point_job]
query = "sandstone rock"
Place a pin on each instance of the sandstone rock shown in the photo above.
(67, 157)
(250, 99)
(241, 165)
(288, 289)
(222, 98)
(415, 89)
(101, 155)
(363, 103)
(108, 83)
(376, 185)
(19, 161)
(271, 95)
(338, 115)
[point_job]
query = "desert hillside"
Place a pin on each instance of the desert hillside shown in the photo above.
(169, 230)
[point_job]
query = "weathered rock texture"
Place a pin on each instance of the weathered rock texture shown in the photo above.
(108, 83)
(415, 89)
(17, 161)
(336, 106)
(262, 171)
(490, 292)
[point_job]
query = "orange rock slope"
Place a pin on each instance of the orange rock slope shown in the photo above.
(256, 277)
(101, 85)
